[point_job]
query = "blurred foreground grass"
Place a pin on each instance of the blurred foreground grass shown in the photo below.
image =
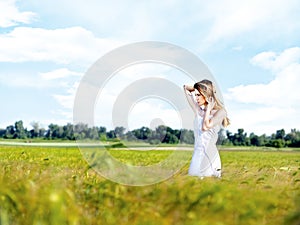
(56, 186)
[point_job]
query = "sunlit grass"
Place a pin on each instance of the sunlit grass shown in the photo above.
(57, 186)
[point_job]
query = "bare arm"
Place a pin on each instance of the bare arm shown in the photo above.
(188, 94)
(216, 119)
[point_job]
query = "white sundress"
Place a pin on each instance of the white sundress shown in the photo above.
(206, 160)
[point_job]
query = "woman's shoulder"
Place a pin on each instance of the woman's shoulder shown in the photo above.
(220, 112)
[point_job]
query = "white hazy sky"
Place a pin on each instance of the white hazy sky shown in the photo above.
(252, 48)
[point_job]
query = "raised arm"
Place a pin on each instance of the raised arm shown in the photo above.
(188, 94)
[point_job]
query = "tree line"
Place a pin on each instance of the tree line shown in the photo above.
(161, 134)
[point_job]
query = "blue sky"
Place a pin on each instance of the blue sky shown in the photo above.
(252, 49)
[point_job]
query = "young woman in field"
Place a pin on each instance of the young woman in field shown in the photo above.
(210, 115)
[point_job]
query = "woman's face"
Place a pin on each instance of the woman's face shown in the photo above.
(199, 98)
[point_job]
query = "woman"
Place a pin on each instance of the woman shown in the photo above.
(210, 115)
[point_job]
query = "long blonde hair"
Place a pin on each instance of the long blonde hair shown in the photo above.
(207, 89)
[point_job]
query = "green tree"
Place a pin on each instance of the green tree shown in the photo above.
(35, 131)
(277, 143)
(263, 140)
(80, 131)
(221, 137)
(129, 136)
(293, 138)
(54, 132)
(20, 131)
(68, 132)
(187, 136)
(280, 134)
(254, 140)
(143, 133)
(170, 138)
(160, 133)
(102, 133)
(92, 133)
(111, 134)
(2, 133)
(102, 130)
(119, 131)
(10, 132)
(240, 138)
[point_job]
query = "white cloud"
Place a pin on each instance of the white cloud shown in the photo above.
(24, 80)
(282, 90)
(237, 48)
(130, 20)
(231, 18)
(11, 16)
(59, 73)
(66, 45)
(263, 120)
(211, 22)
(276, 102)
(59, 78)
(277, 61)
(133, 73)
(67, 100)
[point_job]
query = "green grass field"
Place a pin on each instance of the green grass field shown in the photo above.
(55, 185)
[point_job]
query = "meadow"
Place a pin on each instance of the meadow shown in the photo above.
(55, 185)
